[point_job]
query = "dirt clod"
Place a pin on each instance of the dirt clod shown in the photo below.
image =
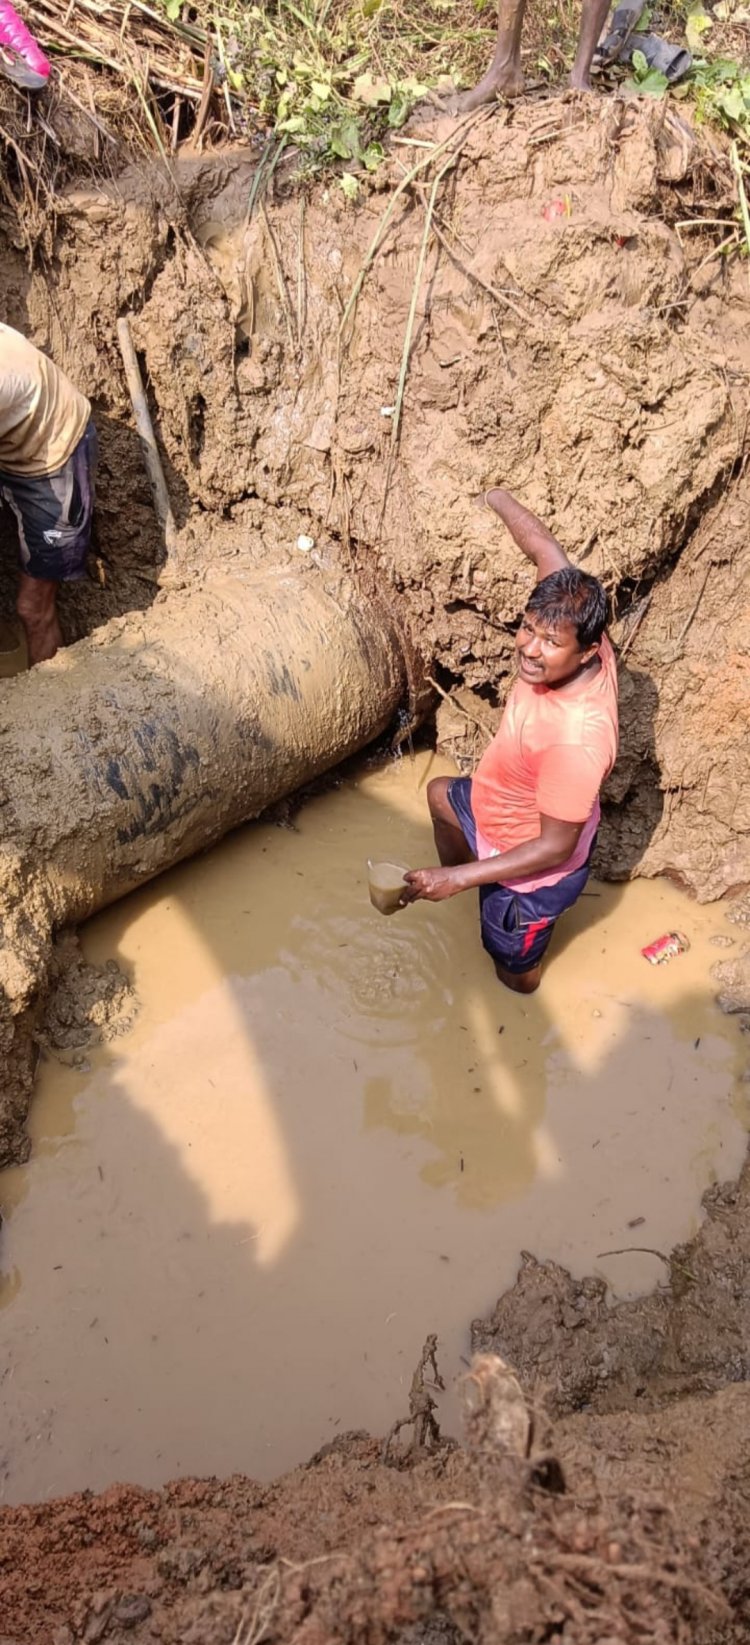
(86, 1003)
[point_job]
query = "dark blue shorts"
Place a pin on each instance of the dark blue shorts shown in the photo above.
(54, 514)
(516, 925)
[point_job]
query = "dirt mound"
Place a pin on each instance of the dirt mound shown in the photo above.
(85, 1003)
(587, 1353)
(488, 1544)
(612, 1523)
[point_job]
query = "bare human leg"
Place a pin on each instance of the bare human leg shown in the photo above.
(37, 608)
(450, 844)
(452, 849)
(504, 76)
(593, 17)
(526, 982)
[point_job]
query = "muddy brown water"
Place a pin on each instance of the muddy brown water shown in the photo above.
(329, 1133)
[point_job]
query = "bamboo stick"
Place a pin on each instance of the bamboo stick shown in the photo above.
(145, 429)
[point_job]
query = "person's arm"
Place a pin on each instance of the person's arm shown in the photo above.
(552, 847)
(533, 538)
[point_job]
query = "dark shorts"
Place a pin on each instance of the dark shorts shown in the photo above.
(516, 925)
(54, 514)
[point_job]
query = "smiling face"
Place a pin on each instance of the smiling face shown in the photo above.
(549, 655)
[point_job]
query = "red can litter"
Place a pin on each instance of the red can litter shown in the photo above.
(665, 948)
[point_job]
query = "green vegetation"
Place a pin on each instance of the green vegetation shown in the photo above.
(721, 89)
(333, 78)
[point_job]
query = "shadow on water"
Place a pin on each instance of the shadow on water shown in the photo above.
(328, 1135)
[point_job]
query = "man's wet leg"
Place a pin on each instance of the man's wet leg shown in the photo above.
(523, 982)
(450, 843)
(37, 608)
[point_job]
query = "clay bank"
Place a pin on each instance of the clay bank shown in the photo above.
(331, 390)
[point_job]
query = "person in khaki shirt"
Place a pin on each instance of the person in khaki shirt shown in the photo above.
(48, 451)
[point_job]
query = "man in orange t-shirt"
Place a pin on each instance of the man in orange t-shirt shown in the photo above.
(522, 830)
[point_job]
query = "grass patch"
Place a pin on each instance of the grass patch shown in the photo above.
(333, 77)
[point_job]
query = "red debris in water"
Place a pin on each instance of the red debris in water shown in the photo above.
(665, 948)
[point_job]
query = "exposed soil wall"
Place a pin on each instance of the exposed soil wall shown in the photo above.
(593, 361)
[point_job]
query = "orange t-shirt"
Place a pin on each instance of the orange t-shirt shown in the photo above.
(550, 756)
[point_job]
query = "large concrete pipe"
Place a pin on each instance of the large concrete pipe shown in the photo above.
(148, 741)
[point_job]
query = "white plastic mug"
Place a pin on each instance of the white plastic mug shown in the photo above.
(386, 881)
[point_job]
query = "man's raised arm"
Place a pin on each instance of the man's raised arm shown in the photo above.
(533, 538)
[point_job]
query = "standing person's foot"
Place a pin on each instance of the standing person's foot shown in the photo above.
(502, 82)
(21, 58)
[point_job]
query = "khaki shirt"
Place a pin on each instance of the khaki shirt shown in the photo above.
(42, 416)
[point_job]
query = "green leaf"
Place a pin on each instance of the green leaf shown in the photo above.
(294, 124)
(370, 91)
(371, 7)
(349, 185)
(173, 9)
(400, 107)
(372, 156)
(412, 87)
(698, 24)
(344, 140)
(640, 65)
(732, 104)
(321, 89)
(653, 84)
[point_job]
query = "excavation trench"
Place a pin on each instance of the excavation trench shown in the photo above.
(324, 1133)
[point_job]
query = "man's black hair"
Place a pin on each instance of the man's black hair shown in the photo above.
(572, 596)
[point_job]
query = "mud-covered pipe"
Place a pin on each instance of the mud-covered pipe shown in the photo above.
(149, 740)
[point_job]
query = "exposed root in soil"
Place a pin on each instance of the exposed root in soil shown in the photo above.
(425, 1427)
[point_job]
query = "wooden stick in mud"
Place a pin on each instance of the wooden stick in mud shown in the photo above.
(145, 429)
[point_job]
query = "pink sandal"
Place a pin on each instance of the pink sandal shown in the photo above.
(21, 59)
